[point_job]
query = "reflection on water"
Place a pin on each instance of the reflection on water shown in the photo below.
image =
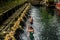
(50, 29)
(58, 23)
(45, 24)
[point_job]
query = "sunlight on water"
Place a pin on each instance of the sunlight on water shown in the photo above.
(37, 25)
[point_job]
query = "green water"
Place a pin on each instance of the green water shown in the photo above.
(49, 31)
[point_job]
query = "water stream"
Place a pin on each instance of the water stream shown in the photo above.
(46, 26)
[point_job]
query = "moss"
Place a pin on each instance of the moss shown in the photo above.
(4, 6)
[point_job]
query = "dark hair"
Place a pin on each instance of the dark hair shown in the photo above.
(29, 16)
(31, 27)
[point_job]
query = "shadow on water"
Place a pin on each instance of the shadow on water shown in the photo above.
(50, 11)
(18, 33)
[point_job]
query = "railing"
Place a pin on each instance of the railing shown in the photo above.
(10, 34)
(5, 15)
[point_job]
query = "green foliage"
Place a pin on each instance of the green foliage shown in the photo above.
(50, 0)
(8, 4)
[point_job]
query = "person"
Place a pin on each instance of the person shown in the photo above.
(31, 20)
(31, 32)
